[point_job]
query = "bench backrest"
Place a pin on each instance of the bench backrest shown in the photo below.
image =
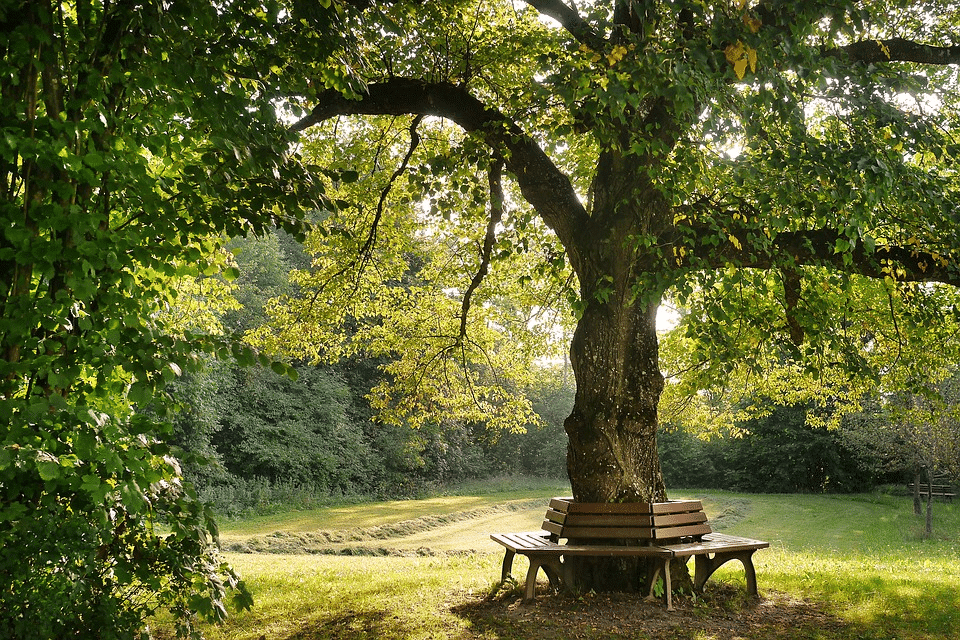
(644, 521)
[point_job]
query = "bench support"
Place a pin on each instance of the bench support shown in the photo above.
(706, 565)
(659, 532)
(551, 566)
(654, 570)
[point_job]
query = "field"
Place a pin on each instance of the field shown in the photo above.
(838, 567)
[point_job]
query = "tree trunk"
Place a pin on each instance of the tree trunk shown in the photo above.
(612, 430)
(612, 448)
(917, 479)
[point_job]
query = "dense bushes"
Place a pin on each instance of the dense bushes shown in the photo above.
(779, 453)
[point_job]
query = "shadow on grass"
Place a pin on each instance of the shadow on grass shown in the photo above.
(723, 613)
(351, 625)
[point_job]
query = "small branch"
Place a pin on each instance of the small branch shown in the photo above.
(494, 179)
(367, 249)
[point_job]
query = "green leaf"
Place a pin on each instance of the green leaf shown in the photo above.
(48, 469)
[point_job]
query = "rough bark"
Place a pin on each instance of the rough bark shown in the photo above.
(612, 450)
(612, 431)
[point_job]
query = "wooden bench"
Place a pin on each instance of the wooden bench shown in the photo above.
(944, 491)
(659, 531)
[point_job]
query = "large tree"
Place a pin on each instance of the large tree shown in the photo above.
(706, 151)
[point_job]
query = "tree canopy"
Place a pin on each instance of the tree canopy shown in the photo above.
(136, 137)
(784, 172)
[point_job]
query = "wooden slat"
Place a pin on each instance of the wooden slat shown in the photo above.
(676, 506)
(553, 527)
(716, 543)
(676, 519)
(608, 520)
(556, 516)
(681, 532)
(616, 550)
(567, 505)
(521, 542)
(575, 533)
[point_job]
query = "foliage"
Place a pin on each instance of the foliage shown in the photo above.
(785, 174)
(297, 431)
(779, 452)
(134, 138)
(278, 441)
(382, 287)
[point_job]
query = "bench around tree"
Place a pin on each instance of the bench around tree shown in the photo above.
(659, 531)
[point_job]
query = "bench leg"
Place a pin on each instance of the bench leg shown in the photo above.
(705, 566)
(653, 572)
(507, 565)
(667, 585)
(551, 566)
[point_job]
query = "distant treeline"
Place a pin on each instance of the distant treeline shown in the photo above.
(275, 441)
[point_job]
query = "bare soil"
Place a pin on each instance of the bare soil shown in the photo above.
(722, 613)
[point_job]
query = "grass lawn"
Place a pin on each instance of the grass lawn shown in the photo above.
(838, 567)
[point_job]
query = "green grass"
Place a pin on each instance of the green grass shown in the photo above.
(859, 558)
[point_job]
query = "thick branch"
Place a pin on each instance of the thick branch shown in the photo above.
(817, 248)
(897, 50)
(543, 185)
(570, 20)
(780, 15)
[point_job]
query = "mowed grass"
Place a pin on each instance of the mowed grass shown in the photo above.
(860, 558)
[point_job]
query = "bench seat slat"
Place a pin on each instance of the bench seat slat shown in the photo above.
(716, 542)
(523, 542)
(615, 550)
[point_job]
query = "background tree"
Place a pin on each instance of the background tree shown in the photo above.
(769, 152)
(136, 136)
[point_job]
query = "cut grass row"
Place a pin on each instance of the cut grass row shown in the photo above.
(859, 558)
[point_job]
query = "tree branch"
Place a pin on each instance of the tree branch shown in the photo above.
(816, 247)
(571, 20)
(367, 250)
(494, 179)
(780, 15)
(543, 185)
(896, 50)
